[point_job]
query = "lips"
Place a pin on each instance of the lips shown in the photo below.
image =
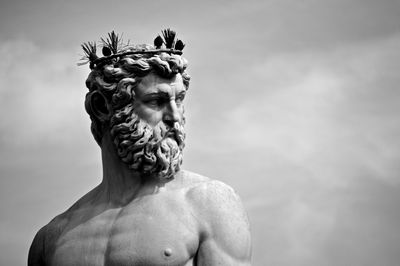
(176, 135)
(173, 135)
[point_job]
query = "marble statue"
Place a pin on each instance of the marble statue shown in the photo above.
(146, 210)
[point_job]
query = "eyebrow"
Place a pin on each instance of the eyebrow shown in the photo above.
(158, 93)
(162, 93)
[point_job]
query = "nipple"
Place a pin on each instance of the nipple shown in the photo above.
(167, 252)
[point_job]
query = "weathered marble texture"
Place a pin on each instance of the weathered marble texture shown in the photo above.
(146, 210)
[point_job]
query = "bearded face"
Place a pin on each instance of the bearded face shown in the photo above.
(151, 150)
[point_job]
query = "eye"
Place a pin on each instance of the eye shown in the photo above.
(154, 102)
(179, 99)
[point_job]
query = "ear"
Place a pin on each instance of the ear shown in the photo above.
(99, 106)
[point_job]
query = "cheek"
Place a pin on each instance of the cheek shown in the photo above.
(148, 115)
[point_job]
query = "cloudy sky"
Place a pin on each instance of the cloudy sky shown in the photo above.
(295, 104)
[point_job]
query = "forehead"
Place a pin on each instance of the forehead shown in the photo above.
(153, 83)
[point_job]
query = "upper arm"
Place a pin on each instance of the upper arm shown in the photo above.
(225, 232)
(36, 251)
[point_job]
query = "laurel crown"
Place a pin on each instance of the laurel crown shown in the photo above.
(114, 48)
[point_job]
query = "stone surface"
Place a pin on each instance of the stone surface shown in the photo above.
(146, 210)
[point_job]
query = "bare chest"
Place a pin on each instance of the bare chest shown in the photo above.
(144, 233)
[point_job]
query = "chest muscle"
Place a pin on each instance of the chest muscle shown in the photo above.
(134, 235)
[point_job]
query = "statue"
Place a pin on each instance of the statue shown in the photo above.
(146, 211)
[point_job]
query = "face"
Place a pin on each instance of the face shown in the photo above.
(160, 100)
(148, 132)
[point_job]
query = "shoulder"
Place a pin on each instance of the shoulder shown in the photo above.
(223, 222)
(219, 204)
(36, 251)
(186, 180)
(44, 241)
(200, 189)
(205, 193)
(213, 195)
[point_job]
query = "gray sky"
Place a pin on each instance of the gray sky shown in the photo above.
(295, 104)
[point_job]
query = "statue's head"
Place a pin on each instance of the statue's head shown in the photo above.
(136, 97)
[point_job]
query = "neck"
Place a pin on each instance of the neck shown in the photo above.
(120, 184)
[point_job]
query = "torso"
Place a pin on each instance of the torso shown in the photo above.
(156, 229)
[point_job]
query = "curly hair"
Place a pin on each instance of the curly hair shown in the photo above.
(114, 81)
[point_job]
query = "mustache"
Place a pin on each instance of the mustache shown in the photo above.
(175, 132)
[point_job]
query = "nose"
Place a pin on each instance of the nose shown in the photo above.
(171, 114)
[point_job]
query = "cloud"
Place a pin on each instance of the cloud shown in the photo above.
(41, 92)
(309, 138)
(332, 117)
(332, 106)
(43, 128)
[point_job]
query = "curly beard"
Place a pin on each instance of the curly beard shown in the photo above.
(152, 151)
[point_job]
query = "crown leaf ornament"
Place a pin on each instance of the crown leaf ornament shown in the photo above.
(113, 48)
(179, 45)
(158, 42)
(113, 42)
(106, 51)
(169, 37)
(89, 49)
